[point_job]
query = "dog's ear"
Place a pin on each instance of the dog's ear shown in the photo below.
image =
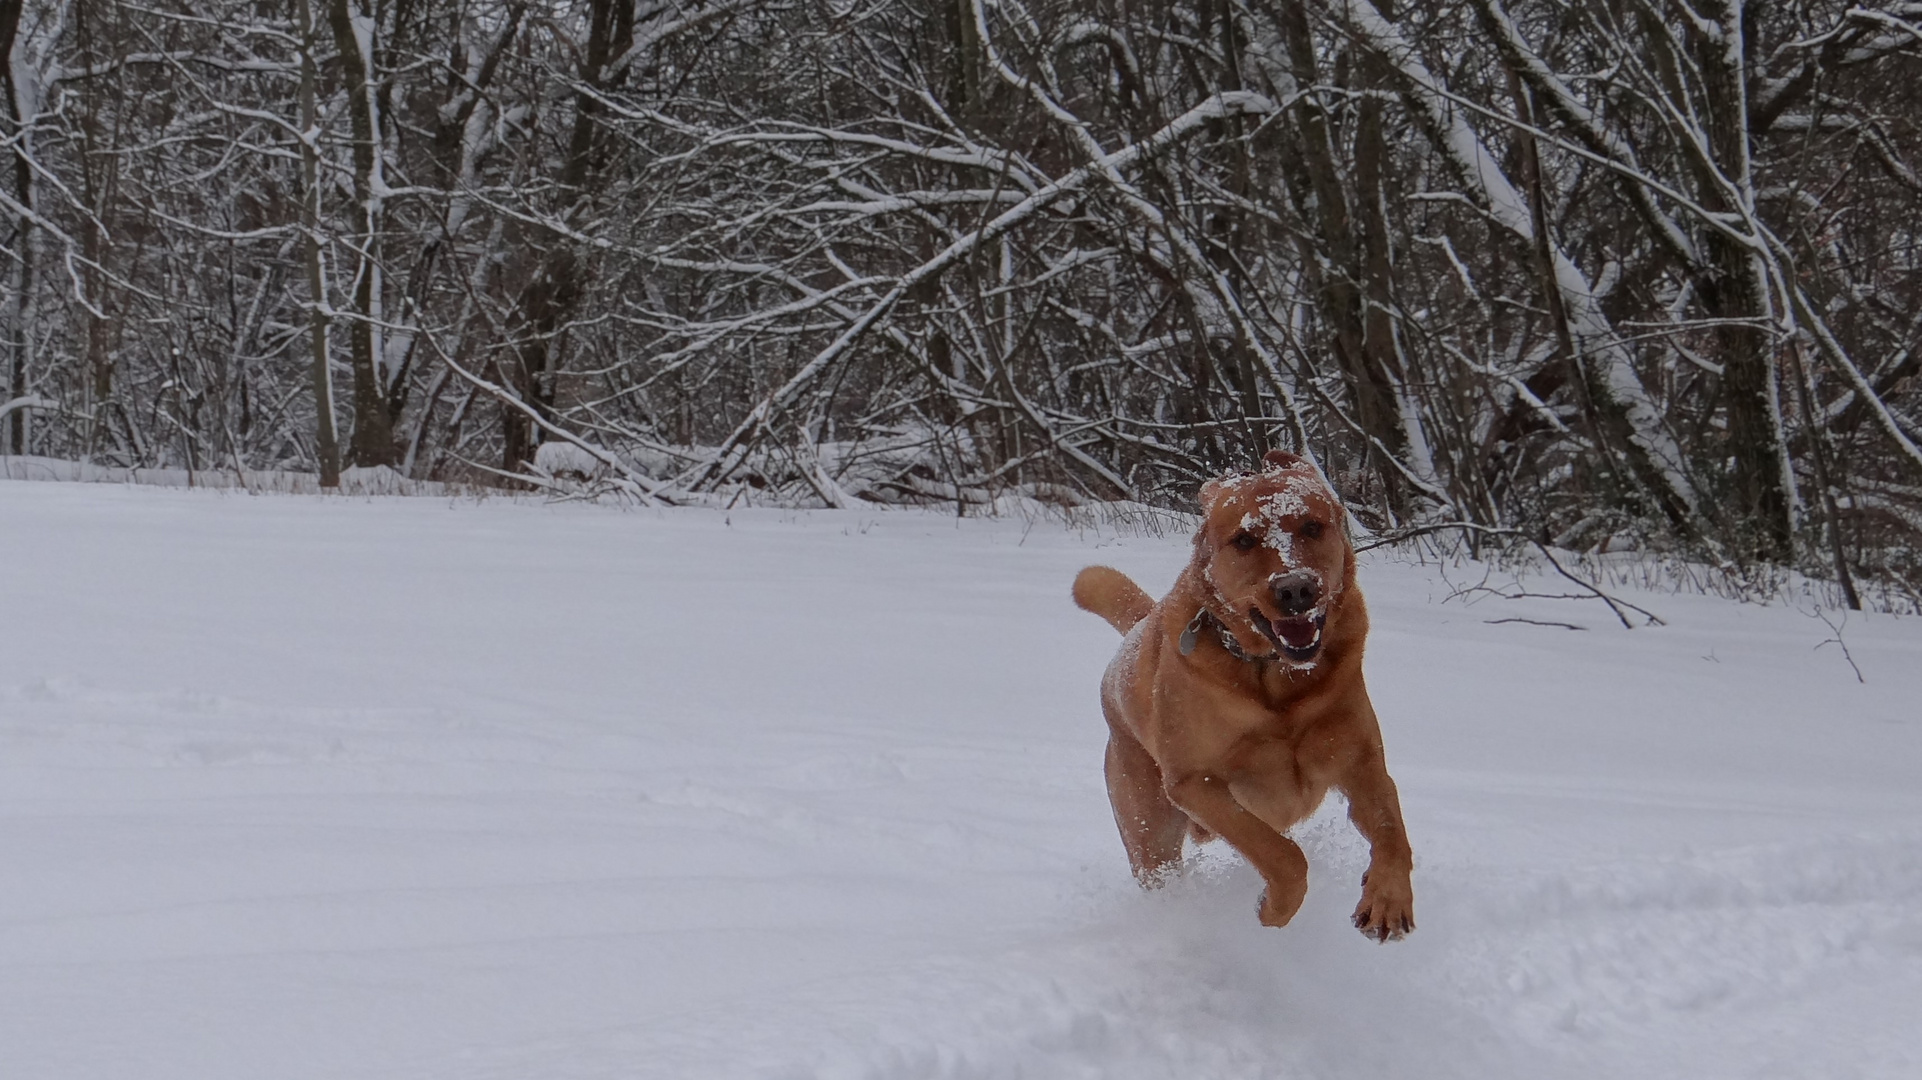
(1282, 459)
(1209, 489)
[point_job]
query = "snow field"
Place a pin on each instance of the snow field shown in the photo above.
(295, 787)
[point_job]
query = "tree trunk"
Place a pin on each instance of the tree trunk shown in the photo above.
(1338, 265)
(13, 123)
(549, 298)
(326, 441)
(372, 442)
(1737, 292)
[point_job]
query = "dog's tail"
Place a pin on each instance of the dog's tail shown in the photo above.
(1108, 593)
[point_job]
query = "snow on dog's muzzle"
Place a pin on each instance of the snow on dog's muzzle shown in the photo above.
(1297, 592)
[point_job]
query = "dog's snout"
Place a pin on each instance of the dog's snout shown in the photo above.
(1297, 591)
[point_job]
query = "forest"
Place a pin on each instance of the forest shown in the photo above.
(1612, 275)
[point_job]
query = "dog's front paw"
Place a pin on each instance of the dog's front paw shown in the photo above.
(1279, 905)
(1387, 908)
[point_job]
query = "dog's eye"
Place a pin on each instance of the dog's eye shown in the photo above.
(1312, 530)
(1245, 541)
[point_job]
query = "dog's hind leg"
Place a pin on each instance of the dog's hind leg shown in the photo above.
(1151, 826)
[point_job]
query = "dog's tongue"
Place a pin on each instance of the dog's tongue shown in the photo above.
(1298, 633)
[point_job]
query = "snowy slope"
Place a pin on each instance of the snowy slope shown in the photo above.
(298, 788)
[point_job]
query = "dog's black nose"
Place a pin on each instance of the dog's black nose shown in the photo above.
(1296, 591)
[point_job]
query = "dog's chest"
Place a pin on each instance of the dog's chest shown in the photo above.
(1228, 726)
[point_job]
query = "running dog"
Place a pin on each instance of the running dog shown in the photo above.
(1237, 702)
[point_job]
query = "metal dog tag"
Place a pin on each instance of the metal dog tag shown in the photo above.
(1189, 635)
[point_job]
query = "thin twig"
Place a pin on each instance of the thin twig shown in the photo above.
(1535, 622)
(1590, 589)
(1614, 604)
(1836, 639)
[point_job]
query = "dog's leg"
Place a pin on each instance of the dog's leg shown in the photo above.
(1387, 908)
(1151, 826)
(1280, 861)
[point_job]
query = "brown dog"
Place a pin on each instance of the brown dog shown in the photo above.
(1236, 702)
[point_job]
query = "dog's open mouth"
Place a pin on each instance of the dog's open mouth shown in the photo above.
(1298, 637)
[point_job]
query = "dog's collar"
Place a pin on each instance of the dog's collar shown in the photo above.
(1205, 620)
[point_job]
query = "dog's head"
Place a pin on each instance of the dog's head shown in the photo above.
(1273, 548)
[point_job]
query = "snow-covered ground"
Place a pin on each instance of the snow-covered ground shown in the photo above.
(356, 789)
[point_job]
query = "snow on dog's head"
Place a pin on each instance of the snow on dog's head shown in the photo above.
(1273, 549)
